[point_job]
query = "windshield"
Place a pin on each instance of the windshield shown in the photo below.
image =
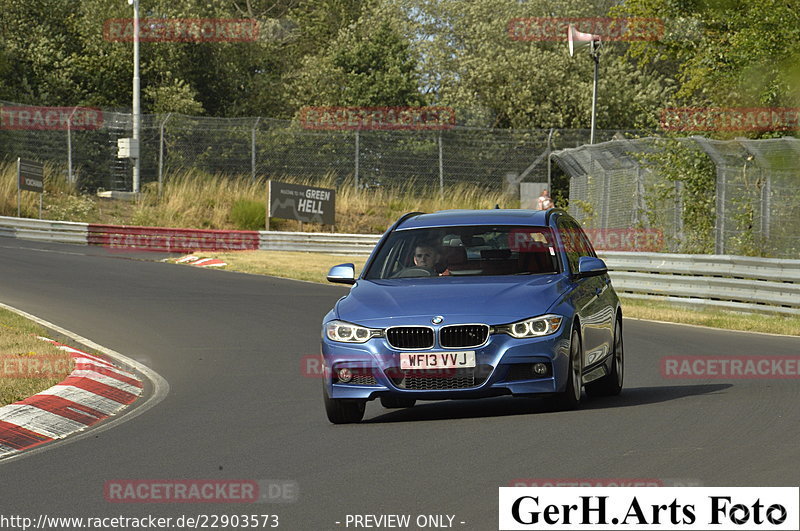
(466, 251)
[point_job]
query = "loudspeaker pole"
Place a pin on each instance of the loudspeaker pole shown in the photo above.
(596, 58)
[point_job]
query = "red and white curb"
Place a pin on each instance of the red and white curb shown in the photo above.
(200, 262)
(95, 390)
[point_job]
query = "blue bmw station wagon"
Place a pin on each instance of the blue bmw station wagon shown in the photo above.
(465, 304)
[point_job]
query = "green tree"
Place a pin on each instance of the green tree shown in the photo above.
(469, 60)
(726, 52)
(368, 64)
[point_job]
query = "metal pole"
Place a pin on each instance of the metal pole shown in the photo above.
(549, 162)
(719, 224)
(136, 103)
(269, 202)
(161, 152)
(596, 57)
(69, 145)
(69, 151)
(253, 150)
(766, 205)
(441, 166)
(19, 192)
(356, 164)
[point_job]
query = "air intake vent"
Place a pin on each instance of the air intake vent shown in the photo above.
(410, 337)
(462, 336)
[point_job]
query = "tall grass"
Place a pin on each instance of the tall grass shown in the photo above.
(59, 201)
(194, 199)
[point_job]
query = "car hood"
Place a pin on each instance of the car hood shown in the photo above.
(491, 300)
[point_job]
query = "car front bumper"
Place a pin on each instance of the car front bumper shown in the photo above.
(503, 367)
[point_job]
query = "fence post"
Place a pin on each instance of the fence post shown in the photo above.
(356, 161)
(441, 166)
(549, 162)
(69, 146)
(161, 152)
(678, 213)
(719, 221)
(253, 150)
(766, 205)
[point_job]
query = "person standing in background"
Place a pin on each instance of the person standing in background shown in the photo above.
(544, 201)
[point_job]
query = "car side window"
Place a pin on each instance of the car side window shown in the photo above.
(587, 245)
(575, 242)
(566, 230)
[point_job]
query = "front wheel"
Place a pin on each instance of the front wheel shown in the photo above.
(344, 410)
(611, 383)
(570, 397)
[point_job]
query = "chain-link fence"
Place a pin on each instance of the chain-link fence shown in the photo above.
(497, 159)
(753, 199)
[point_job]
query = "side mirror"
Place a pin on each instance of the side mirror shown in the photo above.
(589, 266)
(342, 274)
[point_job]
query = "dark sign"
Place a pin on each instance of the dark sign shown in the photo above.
(31, 175)
(303, 203)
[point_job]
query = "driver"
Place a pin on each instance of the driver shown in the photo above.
(428, 257)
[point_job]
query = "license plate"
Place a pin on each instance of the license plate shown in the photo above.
(437, 360)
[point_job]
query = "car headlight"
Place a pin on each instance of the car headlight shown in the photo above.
(348, 332)
(535, 327)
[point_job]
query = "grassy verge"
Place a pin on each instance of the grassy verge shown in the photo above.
(27, 364)
(673, 313)
(314, 267)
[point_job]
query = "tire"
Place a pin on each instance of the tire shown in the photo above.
(611, 383)
(570, 397)
(395, 402)
(344, 410)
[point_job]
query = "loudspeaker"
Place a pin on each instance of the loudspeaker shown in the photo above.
(578, 39)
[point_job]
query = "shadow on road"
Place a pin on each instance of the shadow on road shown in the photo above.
(505, 406)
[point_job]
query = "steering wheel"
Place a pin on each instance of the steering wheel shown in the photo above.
(415, 271)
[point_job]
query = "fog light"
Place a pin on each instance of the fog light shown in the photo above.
(345, 375)
(539, 369)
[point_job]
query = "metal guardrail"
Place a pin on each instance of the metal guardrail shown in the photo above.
(718, 281)
(318, 242)
(44, 230)
(728, 282)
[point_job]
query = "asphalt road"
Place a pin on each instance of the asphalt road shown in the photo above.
(239, 407)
